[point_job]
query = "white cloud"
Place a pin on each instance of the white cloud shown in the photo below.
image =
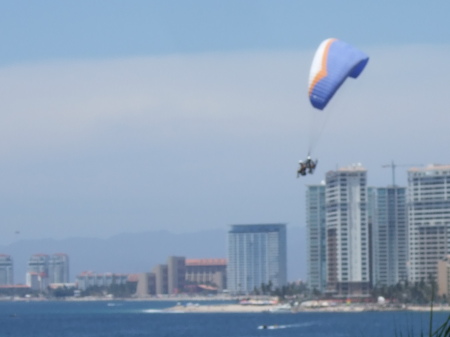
(48, 105)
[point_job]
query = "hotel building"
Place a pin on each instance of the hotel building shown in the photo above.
(316, 234)
(161, 279)
(348, 271)
(58, 268)
(90, 279)
(176, 274)
(6, 270)
(207, 271)
(37, 271)
(428, 204)
(388, 220)
(256, 256)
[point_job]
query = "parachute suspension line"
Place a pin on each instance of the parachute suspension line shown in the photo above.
(319, 120)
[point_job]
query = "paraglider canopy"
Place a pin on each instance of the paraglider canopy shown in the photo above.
(333, 62)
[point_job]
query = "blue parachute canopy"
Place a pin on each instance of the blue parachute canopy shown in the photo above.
(333, 62)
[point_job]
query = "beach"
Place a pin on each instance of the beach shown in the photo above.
(200, 304)
(218, 308)
(238, 308)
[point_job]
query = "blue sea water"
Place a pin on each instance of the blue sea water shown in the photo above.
(128, 318)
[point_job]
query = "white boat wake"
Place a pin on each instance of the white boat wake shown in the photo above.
(284, 326)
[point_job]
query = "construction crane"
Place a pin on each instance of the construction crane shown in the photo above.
(393, 166)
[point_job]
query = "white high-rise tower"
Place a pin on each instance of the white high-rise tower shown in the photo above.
(348, 271)
(58, 268)
(256, 256)
(428, 219)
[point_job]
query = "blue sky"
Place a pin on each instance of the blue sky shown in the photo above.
(52, 30)
(186, 115)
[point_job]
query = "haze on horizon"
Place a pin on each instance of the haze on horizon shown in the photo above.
(128, 117)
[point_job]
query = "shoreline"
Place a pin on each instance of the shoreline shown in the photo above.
(200, 305)
(274, 309)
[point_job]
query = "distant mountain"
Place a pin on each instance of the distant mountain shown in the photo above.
(140, 252)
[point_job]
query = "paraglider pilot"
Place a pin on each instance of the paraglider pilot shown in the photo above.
(307, 166)
(302, 169)
(311, 165)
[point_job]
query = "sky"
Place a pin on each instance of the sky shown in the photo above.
(191, 115)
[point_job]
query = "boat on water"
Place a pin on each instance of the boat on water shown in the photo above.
(271, 327)
(281, 308)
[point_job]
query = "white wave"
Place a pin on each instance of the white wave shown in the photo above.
(161, 311)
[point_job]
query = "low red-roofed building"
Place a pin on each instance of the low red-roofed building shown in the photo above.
(89, 279)
(207, 271)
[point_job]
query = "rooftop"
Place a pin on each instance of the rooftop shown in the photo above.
(206, 262)
(431, 167)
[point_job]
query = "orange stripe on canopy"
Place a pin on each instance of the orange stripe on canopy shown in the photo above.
(323, 69)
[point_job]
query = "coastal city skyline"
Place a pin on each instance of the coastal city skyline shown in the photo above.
(293, 269)
(382, 255)
(361, 236)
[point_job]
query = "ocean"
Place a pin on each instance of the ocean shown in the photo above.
(145, 318)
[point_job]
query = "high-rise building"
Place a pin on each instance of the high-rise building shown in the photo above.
(48, 268)
(428, 204)
(38, 263)
(58, 268)
(37, 271)
(316, 234)
(6, 270)
(170, 278)
(348, 271)
(161, 279)
(389, 235)
(256, 256)
(176, 274)
(146, 285)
